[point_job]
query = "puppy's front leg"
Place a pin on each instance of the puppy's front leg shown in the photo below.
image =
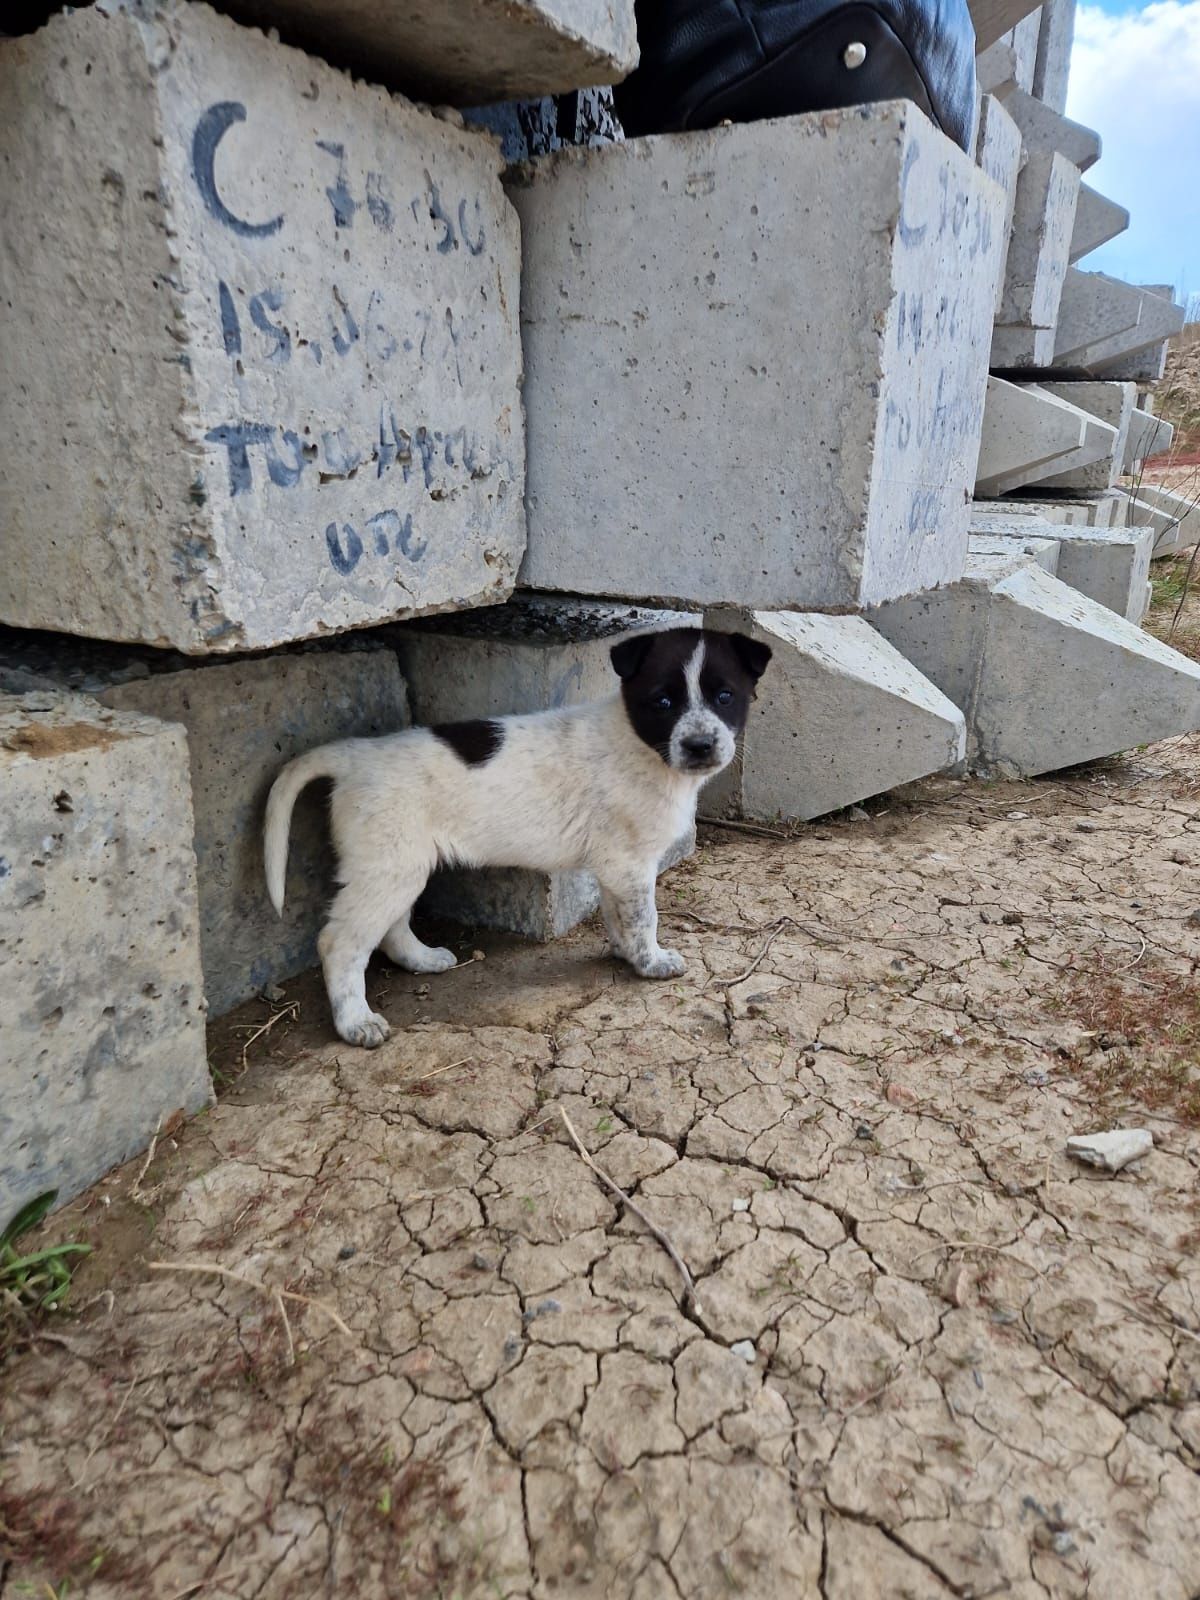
(632, 920)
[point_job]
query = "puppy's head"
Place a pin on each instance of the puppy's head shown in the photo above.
(687, 692)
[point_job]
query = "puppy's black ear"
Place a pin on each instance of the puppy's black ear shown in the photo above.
(628, 654)
(751, 653)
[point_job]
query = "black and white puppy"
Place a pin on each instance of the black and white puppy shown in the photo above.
(607, 787)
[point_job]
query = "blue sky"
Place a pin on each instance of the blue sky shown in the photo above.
(1135, 78)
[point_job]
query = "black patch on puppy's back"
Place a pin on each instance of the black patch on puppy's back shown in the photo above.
(474, 743)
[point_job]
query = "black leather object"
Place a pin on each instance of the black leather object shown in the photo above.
(705, 61)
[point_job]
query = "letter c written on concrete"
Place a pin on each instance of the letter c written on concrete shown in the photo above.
(210, 130)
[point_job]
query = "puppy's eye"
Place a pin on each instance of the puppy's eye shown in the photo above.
(663, 703)
(724, 697)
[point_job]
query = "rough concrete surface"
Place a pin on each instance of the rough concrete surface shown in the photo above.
(680, 294)
(1045, 676)
(999, 154)
(933, 1357)
(1097, 220)
(464, 52)
(1112, 403)
(244, 720)
(101, 1001)
(1027, 431)
(263, 345)
(1043, 218)
(839, 716)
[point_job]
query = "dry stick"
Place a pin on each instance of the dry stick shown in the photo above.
(729, 983)
(137, 1182)
(211, 1269)
(290, 1010)
(689, 1285)
(746, 827)
(436, 1073)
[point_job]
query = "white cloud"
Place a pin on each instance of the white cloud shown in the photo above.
(1135, 78)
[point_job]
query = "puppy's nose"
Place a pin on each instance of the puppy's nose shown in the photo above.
(699, 746)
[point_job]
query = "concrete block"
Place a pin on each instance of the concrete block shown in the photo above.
(1027, 432)
(1043, 219)
(1148, 436)
(994, 18)
(1024, 39)
(1105, 509)
(1046, 677)
(1112, 404)
(1045, 130)
(103, 1035)
(1102, 320)
(263, 348)
(840, 716)
(244, 720)
(999, 154)
(1043, 552)
(1097, 220)
(681, 294)
(1109, 565)
(1173, 518)
(1143, 366)
(1056, 35)
(531, 655)
(1017, 349)
(461, 52)
(996, 68)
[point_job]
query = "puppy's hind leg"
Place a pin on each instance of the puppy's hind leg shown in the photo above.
(402, 946)
(360, 917)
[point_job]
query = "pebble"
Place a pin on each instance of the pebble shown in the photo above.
(1112, 1150)
(544, 1308)
(740, 1205)
(745, 1349)
(346, 1252)
(1036, 1078)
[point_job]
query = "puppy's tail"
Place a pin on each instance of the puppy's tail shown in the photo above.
(324, 762)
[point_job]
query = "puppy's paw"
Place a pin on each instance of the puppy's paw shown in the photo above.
(369, 1031)
(661, 964)
(434, 959)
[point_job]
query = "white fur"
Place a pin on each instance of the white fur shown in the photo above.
(567, 789)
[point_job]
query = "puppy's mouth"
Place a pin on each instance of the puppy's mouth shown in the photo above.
(707, 763)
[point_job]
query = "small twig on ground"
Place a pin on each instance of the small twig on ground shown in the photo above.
(1139, 955)
(746, 827)
(729, 983)
(212, 1269)
(135, 1192)
(287, 1328)
(689, 1284)
(436, 1073)
(292, 1009)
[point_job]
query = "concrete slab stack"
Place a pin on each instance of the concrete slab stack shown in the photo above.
(295, 357)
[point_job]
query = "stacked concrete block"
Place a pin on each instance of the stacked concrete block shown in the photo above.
(1174, 518)
(1104, 509)
(463, 52)
(269, 324)
(994, 19)
(1103, 321)
(1030, 433)
(1097, 220)
(1043, 220)
(243, 720)
(1041, 550)
(1148, 436)
(999, 155)
(534, 654)
(1113, 404)
(1045, 131)
(1108, 565)
(681, 296)
(1045, 677)
(840, 716)
(103, 1036)
(1056, 34)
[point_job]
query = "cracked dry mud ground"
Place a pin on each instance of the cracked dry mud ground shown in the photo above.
(975, 1365)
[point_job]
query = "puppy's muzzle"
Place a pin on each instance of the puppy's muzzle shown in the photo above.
(699, 752)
